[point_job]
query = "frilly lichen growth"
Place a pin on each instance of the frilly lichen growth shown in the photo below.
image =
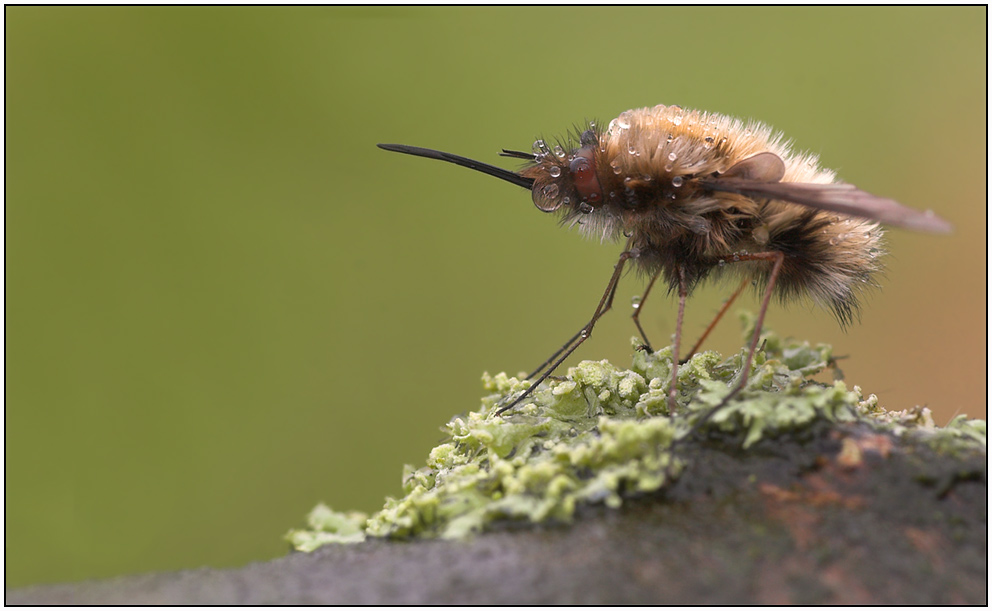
(602, 432)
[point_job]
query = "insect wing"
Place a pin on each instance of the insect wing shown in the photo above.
(835, 197)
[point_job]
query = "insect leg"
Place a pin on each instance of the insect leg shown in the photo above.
(673, 388)
(777, 259)
(551, 358)
(637, 311)
(723, 310)
(605, 303)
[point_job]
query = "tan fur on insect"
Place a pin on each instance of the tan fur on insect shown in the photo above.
(646, 161)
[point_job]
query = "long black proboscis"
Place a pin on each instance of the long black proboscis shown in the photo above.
(485, 168)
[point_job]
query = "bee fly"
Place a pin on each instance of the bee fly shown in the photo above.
(699, 195)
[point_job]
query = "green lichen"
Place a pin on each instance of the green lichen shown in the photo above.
(328, 526)
(602, 432)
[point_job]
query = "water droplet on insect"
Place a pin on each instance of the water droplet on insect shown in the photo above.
(677, 120)
(624, 120)
(616, 169)
(585, 208)
(555, 171)
(708, 138)
(668, 167)
(632, 149)
(539, 146)
(566, 200)
(737, 257)
(560, 152)
(672, 156)
(670, 138)
(635, 301)
(677, 181)
(550, 190)
(721, 262)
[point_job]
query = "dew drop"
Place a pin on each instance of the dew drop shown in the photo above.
(672, 156)
(635, 301)
(555, 171)
(677, 120)
(721, 262)
(550, 191)
(539, 146)
(708, 139)
(566, 200)
(677, 181)
(560, 152)
(585, 208)
(668, 167)
(616, 169)
(632, 149)
(623, 121)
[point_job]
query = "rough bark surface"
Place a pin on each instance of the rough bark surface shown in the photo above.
(843, 516)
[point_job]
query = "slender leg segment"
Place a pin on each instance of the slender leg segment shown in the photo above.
(723, 310)
(605, 303)
(673, 388)
(777, 258)
(640, 306)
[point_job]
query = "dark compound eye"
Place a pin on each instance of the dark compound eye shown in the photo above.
(584, 176)
(580, 169)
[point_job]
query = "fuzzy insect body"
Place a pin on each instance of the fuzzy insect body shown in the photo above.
(699, 195)
(651, 164)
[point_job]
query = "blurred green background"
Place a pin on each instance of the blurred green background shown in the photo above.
(224, 304)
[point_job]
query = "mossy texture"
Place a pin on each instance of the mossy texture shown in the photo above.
(601, 433)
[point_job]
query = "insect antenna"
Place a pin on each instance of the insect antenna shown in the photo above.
(518, 155)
